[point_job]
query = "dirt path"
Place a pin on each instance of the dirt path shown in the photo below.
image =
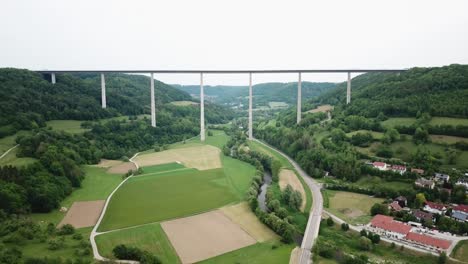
(8, 151)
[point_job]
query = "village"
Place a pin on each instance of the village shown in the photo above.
(415, 227)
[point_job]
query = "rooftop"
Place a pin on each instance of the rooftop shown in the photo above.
(461, 207)
(435, 205)
(387, 223)
(428, 240)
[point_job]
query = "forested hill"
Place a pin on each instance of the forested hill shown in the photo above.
(263, 92)
(441, 91)
(27, 99)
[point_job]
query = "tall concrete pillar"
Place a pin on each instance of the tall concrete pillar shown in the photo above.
(250, 108)
(299, 100)
(153, 103)
(348, 89)
(103, 91)
(52, 76)
(202, 109)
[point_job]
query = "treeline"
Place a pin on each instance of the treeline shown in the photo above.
(441, 91)
(278, 218)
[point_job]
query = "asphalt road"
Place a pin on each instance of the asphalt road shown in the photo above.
(313, 223)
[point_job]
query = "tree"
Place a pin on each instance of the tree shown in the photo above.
(330, 221)
(275, 169)
(379, 208)
(338, 136)
(391, 135)
(375, 238)
(442, 258)
(420, 136)
(344, 227)
(365, 243)
(419, 200)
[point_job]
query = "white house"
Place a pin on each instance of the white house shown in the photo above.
(380, 165)
(434, 208)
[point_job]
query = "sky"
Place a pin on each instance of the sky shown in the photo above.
(232, 35)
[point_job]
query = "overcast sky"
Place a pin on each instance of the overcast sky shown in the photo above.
(240, 34)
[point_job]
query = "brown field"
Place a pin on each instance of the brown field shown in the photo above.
(246, 219)
(122, 168)
(289, 177)
(202, 157)
(204, 236)
(105, 163)
(322, 108)
(83, 214)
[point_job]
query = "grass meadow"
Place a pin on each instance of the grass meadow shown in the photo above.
(148, 237)
(267, 252)
(460, 252)
(354, 208)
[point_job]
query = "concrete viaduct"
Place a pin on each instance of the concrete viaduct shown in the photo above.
(202, 99)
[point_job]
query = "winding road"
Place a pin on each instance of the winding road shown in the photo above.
(315, 215)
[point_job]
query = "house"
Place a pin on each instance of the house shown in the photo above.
(423, 216)
(399, 169)
(428, 241)
(460, 212)
(424, 183)
(462, 182)
(434, 208)
(386, 226)
(380, 165)
(440, 177)
(402, 201)
(418, 171)
(394, 206)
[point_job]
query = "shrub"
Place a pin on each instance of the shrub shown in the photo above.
(66, 230)
(330, 221)
(344, 227)
(365, 243)
(54, 244)
(77, 236)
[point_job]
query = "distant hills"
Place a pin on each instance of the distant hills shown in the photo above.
(27, 100)
(263, 93)
(441, 91)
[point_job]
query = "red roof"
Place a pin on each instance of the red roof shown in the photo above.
(387, 223)
(398, 167)
(379, 164)
(461, 207)
(395, 206)
(435, 205)
(428, 240)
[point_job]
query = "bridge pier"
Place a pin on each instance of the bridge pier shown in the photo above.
(103, 91)
(250, 108)
(299, 99)
(153, 103)
(348, 89)
(202, 109)
(52, 77)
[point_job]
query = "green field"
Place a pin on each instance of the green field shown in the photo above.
(37, 249)
(460, 251)
(148, 237)
(70, 126)
(153, 198)
(353, 208)
(12, 159)
(398, 121)
(97, 185)
(372, 182)
(375, 135)
(255, 254)
(448, 121)
(162, 168)
(408, 121)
